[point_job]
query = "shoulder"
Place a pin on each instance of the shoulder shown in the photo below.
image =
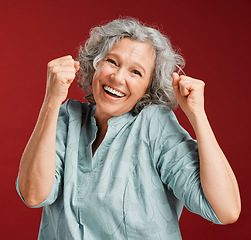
(162, 123)
(158, 115)
(73, 111)
(73, 108)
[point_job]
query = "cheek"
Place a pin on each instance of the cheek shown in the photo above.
(103, 69)
(99, 74)
(138, 88)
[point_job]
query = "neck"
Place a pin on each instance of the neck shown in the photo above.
(102, 120)
(102, 124)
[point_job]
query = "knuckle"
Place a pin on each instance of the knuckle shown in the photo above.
(182, 83)
(49, 65)
(58, 75)
(53, 70)
(202, 84)
(71, 61)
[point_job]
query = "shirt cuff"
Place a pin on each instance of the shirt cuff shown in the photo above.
(49, 200)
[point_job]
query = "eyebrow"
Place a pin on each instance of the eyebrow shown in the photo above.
(134, 63)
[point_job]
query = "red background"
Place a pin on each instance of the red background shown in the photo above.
(214, 37)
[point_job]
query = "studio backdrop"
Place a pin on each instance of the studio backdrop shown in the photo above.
(213, 37)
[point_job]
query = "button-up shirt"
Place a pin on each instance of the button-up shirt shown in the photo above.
(135, 185)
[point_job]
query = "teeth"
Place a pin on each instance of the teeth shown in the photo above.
(113, 91)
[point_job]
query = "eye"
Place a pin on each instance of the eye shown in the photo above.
(111, 61)
(137, 72)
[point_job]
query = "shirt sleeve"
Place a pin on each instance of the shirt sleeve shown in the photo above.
(61, 138)
(178, 165)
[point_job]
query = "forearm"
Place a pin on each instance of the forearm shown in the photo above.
(217, 178)
(37, 166)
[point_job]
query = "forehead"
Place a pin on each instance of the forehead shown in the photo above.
(134, 51)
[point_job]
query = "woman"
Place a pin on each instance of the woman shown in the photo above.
(121, 166)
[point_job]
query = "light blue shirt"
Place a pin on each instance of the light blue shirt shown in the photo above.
(135, 185)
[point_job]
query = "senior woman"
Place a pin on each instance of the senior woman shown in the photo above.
(121, 166)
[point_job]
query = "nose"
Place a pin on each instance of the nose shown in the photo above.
(119, 75)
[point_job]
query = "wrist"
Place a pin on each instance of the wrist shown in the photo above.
(51, 105)
(52, 102)
(197, 117)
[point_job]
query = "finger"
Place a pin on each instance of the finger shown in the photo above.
(65, 77)
(67, 57)
(191, 83)
(184, 87)
(63, 61)
(57, 69)
(76, 65)
(175, 83)
(176, 80)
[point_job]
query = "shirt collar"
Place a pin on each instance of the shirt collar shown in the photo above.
(115, 122)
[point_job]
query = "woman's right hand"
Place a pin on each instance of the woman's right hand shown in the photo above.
(60, 74)
(37, 167)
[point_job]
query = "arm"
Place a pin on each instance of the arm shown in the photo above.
(37, 166)
(217, 178)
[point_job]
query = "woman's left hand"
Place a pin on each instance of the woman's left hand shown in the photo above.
(189, 94)
(217, 178)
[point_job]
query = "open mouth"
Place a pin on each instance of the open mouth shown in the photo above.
(112, 92)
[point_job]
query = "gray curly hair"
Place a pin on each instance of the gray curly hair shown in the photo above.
(101, 41)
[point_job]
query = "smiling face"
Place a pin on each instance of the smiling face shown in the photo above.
(122, 78)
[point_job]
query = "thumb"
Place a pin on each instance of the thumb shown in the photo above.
(76, 65)
(176, 80)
